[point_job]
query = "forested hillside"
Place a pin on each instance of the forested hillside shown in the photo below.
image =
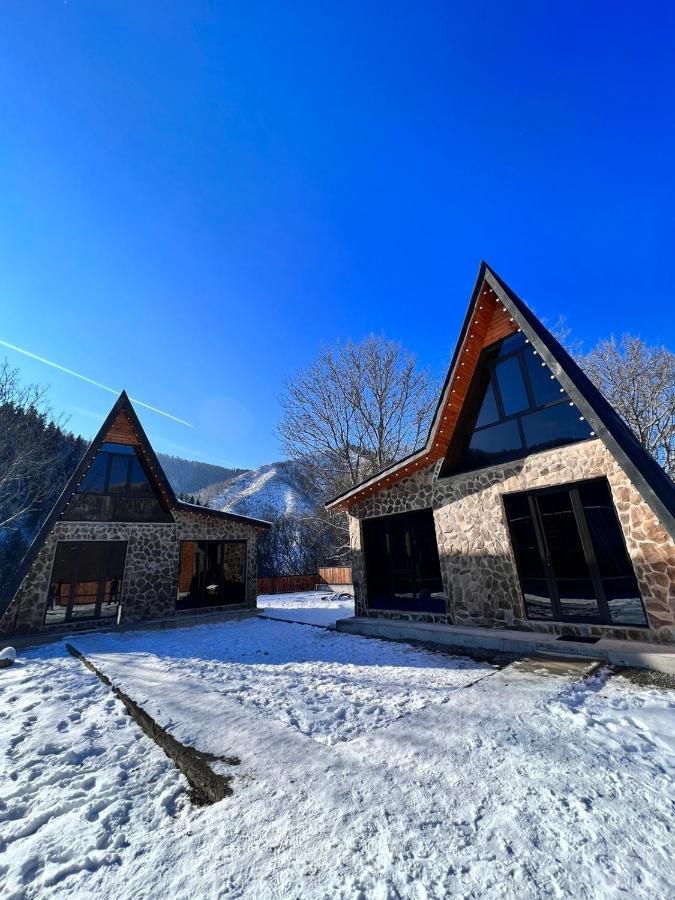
(187, 476)
(37, 456)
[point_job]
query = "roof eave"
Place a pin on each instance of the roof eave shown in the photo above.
(223, 514)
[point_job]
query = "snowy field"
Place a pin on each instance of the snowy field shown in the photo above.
(368, 769)
(313, 607)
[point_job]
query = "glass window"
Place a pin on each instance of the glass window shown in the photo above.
(138, 480)
(545, 387)
(511, 386)
(125, 449)
(554, 426)
(572, 552)
(515, 341)
(488, 411)
(402, 563)
(536, 591)
(86, 581)
(94, 478)
(562, 535)
(494, 443)
(118, 475)
(511, 382)
(211, 573)
(614, 565)
(537, 596)
(116, 469)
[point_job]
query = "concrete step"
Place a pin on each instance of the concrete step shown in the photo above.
(635, 654)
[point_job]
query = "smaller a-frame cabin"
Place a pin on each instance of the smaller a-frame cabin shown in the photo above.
(531, 506)
(119, 547)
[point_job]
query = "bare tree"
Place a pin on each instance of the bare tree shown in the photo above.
(22, 406)
(639, 382)
(357, 408)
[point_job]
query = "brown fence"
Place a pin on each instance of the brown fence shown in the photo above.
(287, 584)
(335, 574)
(291, 584)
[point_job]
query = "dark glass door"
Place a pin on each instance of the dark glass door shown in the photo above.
(211, 573)
(571, 556)
(86, 581)
(566, 558)
(403, 570)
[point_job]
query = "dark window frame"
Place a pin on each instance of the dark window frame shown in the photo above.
(489, 360)
(96, 617)
(572, 489)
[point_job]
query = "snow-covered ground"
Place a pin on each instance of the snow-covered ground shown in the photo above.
(368, 769)
(315, 608)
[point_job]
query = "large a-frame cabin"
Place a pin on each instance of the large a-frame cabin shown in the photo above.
(119, 547)
(531, 506)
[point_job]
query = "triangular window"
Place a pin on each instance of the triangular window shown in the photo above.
(515, 407)
(116, 469)
(116, 488)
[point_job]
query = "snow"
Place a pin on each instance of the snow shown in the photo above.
(272, 488)
(317, 608)
(368, 769)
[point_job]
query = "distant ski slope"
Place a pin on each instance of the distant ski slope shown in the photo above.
(272, 489)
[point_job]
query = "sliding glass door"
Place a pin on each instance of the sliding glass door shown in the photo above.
(571, 556)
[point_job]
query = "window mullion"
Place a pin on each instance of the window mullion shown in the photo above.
(526, 382)
(108, 467)
(494, 381)
(589, 553)
(545, 556)
(102, 578)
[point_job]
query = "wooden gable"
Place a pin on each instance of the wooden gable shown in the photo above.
(121, 431)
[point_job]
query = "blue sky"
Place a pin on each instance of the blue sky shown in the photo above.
(196, 195)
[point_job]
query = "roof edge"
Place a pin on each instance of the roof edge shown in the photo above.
(222, 514)
(420, 451)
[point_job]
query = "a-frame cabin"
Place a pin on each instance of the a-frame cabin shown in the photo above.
(119, 546)
(531, 506)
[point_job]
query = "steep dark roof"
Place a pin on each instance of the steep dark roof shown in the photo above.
(166, 494)
(656, 487)
(645, 473)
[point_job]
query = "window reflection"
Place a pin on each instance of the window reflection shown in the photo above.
(402, 565)
(521, 409)
(86, 581)
(116, 469)
(211, 573)
(571, 556)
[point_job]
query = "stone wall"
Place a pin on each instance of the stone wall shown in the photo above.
(150, 583)
(477, 564)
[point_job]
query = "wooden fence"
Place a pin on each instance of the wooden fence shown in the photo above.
(335, 574)
(291, 584)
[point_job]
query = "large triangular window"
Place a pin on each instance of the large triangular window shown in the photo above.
(515, 407)
(116, 469)
(116, 488)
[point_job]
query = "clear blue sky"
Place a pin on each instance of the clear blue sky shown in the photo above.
(195, 195)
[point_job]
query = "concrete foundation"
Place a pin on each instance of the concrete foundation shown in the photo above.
(635, 654)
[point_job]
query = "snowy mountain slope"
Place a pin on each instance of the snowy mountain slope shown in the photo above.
(270, 490)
